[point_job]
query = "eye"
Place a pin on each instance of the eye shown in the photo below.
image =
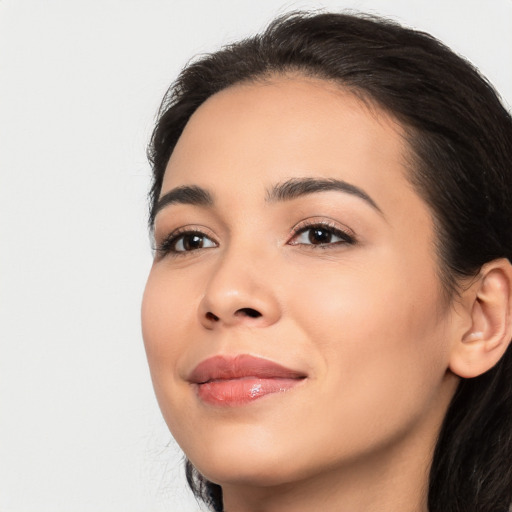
(320, 235)
(185, 241)
(192, 242)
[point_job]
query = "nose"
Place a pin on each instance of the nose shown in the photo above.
(239, 293)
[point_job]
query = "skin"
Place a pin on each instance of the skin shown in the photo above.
(366, 321)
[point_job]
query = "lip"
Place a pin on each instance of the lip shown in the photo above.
(239, 380)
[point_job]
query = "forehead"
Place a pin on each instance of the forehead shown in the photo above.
(253, 135)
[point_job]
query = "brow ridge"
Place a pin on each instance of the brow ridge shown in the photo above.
(297, 187)
(186, 194)
(285, 191)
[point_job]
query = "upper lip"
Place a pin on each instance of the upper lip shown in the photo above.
(222, 367)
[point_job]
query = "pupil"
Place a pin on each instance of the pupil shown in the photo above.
(319, 236)
(192, 242)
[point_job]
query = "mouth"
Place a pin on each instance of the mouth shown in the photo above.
(234, 381)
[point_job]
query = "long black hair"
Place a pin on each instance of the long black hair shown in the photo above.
(460, 136)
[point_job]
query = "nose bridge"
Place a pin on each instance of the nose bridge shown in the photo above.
(239, 290)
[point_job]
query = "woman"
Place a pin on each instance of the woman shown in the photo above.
(328, 316)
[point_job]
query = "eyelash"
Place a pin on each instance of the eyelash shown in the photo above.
(168, 245)
(346, 237)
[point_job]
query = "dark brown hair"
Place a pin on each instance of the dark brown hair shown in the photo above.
(460, 136)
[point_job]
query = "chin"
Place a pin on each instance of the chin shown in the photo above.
(248, 471)
(247, 458)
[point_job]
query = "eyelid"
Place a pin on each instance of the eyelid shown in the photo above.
(323, 222)
(163, 245)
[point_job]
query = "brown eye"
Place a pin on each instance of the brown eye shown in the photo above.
(319, 236)
(183, 241)
(192, 242)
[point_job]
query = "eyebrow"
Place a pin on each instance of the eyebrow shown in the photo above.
(187, 194)
(285, 191)
(297, 187)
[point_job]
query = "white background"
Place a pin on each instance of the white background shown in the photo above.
(80, 83)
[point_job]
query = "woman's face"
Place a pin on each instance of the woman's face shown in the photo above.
(299, 242)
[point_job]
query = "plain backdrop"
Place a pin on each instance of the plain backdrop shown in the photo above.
(80, 83)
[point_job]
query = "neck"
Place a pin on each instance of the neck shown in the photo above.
(376, 487)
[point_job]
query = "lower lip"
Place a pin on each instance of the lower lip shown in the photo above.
(242, 391)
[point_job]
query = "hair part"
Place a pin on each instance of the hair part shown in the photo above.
(460, 159)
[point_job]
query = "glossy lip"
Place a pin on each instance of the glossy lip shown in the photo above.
(239, 380)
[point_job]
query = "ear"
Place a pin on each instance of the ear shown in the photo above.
(488, 302)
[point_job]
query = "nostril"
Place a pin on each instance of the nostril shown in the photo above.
(252, 313)
(211, 316)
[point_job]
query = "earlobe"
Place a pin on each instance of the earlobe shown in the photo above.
(490, 303)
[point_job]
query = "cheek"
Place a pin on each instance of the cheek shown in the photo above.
(383, 301)
(381, 338)
(166, 315)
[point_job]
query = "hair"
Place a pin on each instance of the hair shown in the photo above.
(459, 136)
